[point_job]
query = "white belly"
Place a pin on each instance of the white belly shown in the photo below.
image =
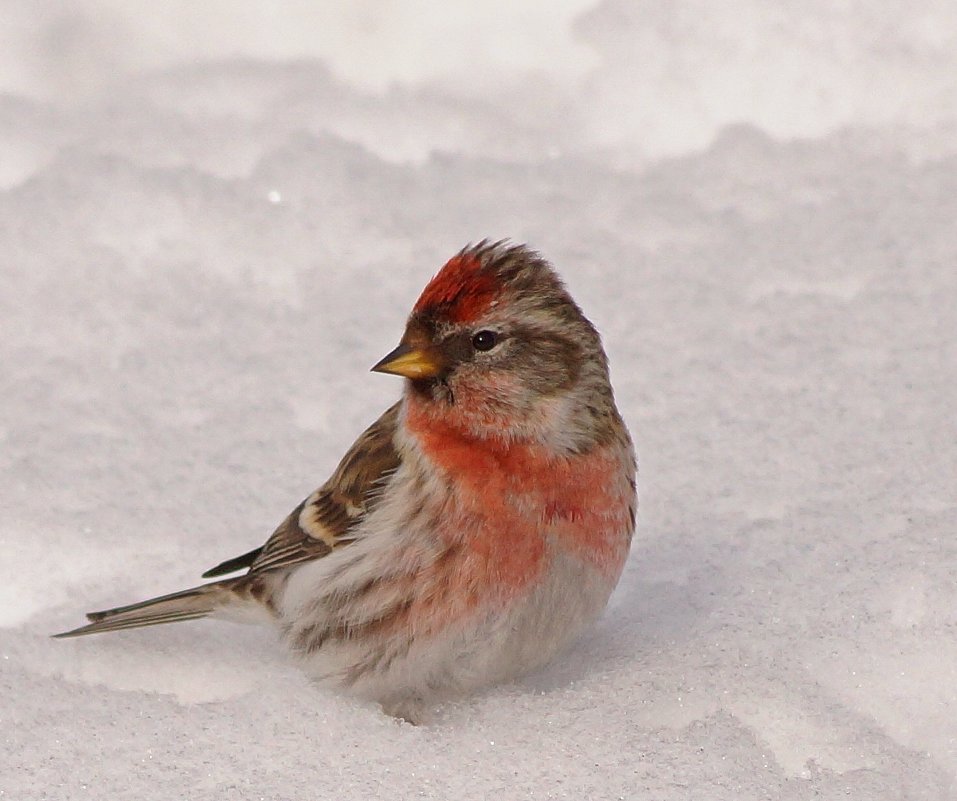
(408, 673)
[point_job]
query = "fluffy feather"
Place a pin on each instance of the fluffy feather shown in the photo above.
(475, 528)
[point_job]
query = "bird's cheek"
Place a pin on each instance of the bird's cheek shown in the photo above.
(489, 390)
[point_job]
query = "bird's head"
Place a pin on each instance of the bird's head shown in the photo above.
(496, 346)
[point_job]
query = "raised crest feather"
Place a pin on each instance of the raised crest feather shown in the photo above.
(463, 288)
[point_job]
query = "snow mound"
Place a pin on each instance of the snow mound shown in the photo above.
(205, 249)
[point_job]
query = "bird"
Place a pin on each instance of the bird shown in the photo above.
(474, 530)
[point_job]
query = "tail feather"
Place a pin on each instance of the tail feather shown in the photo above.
(188, 604)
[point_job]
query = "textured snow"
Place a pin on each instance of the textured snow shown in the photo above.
(215, 217)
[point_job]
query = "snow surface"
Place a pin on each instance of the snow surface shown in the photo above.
(214, 218)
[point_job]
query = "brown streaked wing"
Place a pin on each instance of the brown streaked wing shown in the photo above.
(325, 519)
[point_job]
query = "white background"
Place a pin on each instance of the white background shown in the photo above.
(214, 218)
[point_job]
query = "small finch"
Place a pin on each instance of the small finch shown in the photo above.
(471, 532)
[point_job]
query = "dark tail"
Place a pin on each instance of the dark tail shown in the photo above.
(186, 605)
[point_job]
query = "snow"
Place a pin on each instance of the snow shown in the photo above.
(214, 219)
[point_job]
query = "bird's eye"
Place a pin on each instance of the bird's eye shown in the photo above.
(484, 340)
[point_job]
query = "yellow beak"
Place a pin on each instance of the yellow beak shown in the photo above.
(409, 362)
